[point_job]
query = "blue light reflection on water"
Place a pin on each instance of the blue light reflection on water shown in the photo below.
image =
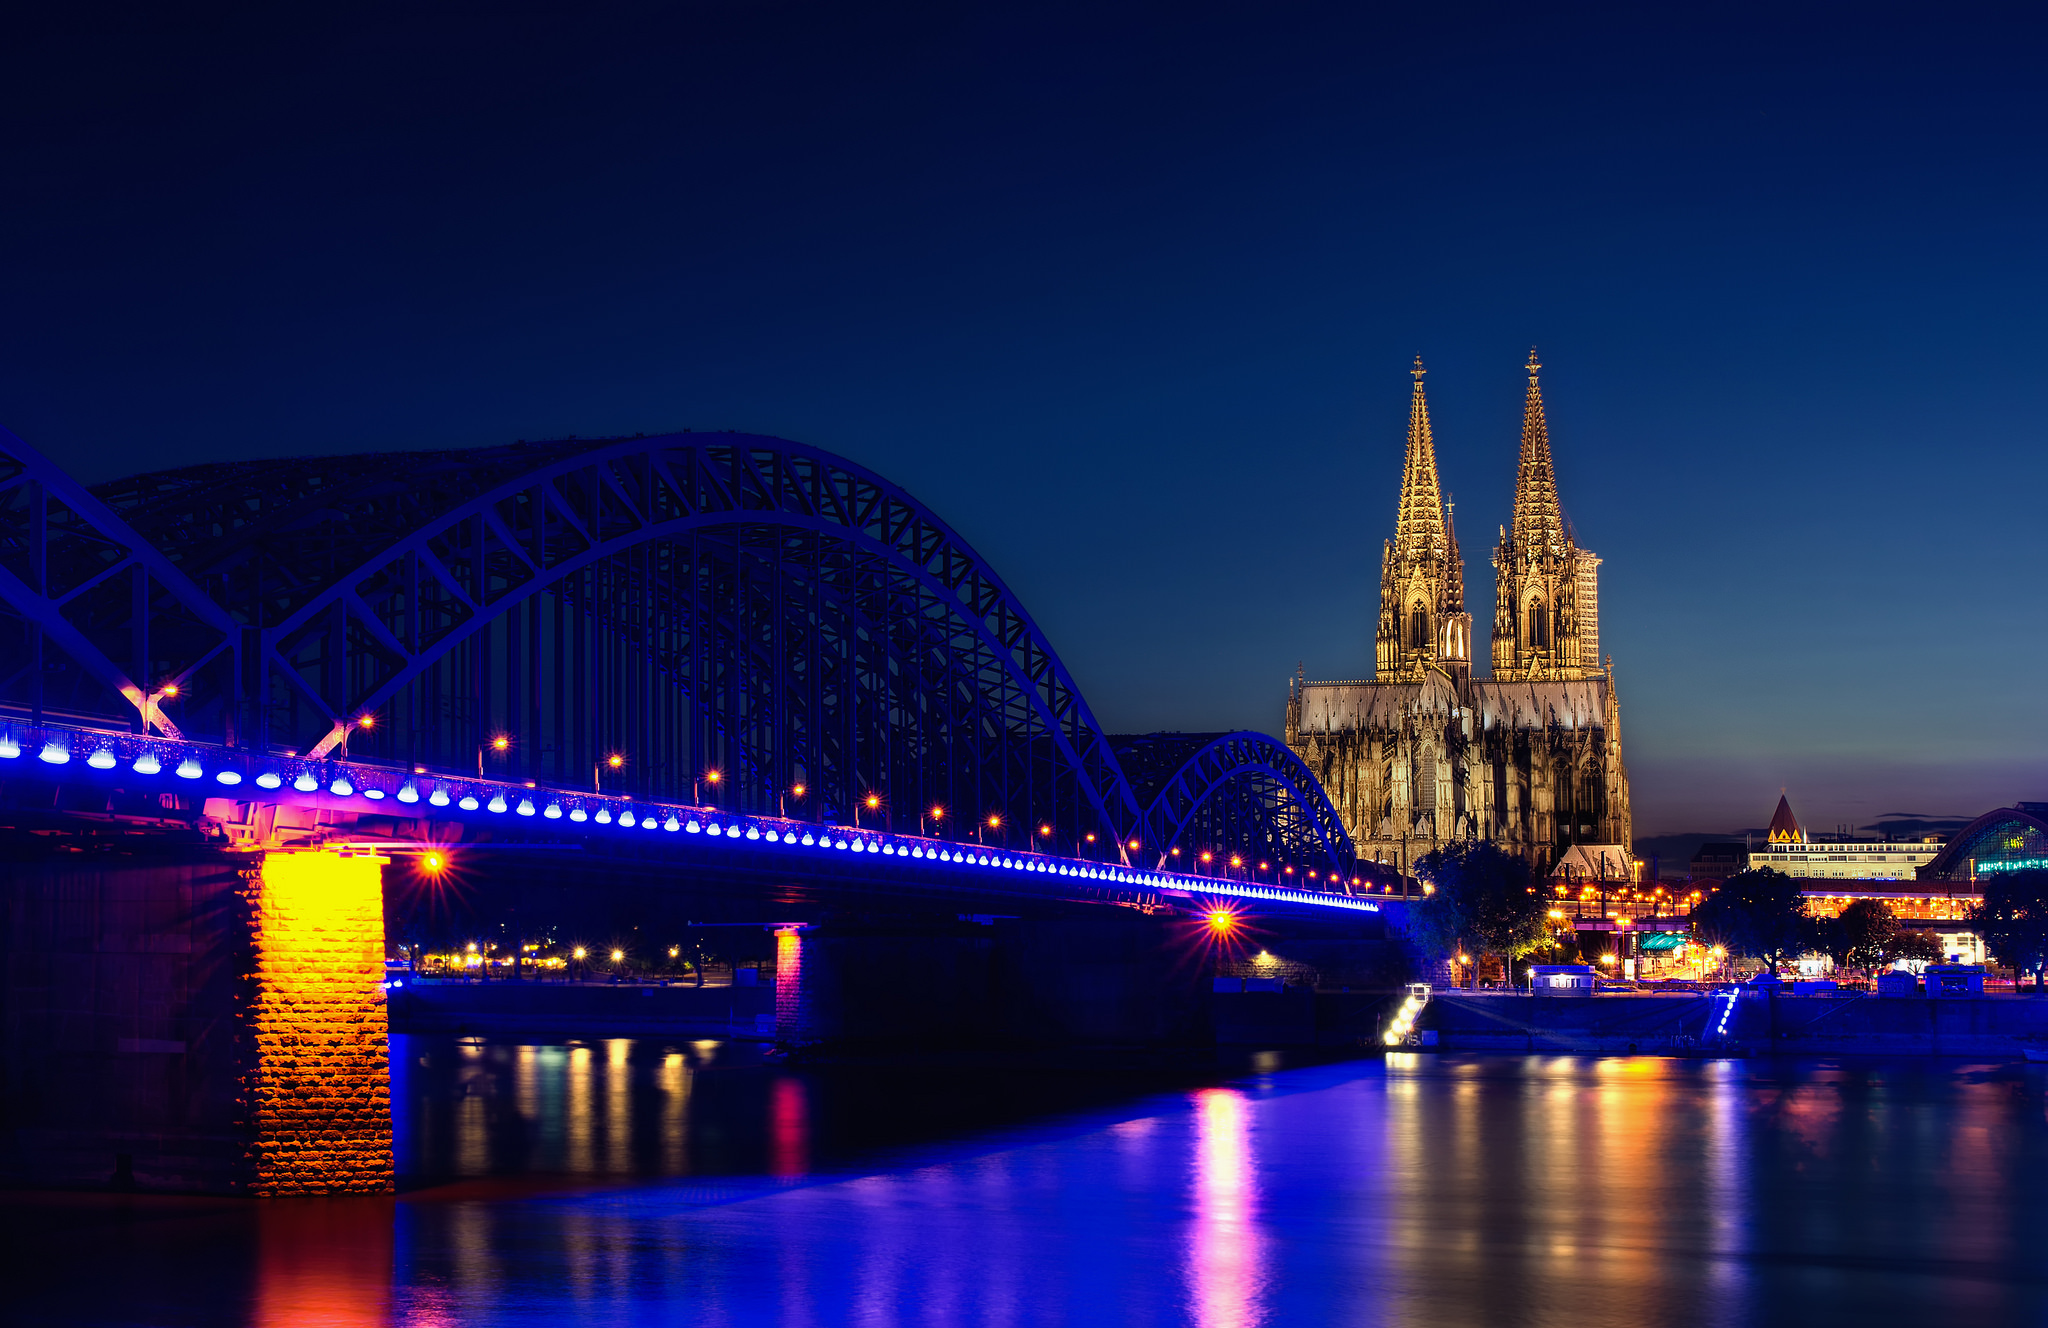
(1418, 1190)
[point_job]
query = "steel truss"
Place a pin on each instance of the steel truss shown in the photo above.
(731, 615)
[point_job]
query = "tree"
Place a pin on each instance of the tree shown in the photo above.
(1481, 894)
(1859, 936)
(2013, 920)
(1760, 914)
(1912, 946)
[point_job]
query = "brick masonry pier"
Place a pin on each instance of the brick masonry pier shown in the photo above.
(191, 1019)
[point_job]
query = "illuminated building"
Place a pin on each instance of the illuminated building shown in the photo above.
(2005, 839)
(1789, 849)
(1424, 754)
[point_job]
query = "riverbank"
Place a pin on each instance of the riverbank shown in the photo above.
(583, 1009)
(2005, 1027)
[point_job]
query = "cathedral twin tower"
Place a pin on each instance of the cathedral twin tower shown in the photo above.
(1529, 759)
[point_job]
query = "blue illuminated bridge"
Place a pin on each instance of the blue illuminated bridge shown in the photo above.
(720, 656)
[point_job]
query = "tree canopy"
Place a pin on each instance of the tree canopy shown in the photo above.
(2013, 920)
(1861, 936)
(1481, 895)
(1759, 913)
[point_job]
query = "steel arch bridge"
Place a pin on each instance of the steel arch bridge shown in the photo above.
(747, 619)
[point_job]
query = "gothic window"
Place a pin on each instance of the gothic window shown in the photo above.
(1538, 638)
(1418, 627)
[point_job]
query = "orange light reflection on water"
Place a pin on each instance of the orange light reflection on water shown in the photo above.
(1226, 1259)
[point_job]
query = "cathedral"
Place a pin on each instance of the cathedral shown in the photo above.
(1528, 758)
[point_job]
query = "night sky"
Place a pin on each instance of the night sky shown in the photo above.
(1129, 296)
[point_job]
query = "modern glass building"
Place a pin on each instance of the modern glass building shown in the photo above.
(2008, 839)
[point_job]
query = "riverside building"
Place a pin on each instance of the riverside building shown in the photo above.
(1789, 849)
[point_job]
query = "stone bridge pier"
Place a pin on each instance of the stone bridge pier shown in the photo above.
(195, 1020)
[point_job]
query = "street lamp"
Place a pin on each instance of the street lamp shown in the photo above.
(872, 802)
(500, 744)
(938, 816)
(363, 721)
(995, 822)
(710, 777)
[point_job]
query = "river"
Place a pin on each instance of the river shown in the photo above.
(634, 1183)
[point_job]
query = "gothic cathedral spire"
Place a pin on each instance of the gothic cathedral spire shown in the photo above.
(1539, 524)
(1422, 578)
(1546, 622)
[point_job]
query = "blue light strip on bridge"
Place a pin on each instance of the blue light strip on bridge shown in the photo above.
(366, 788)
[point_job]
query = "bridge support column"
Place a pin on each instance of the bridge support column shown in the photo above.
(320, 1095)
(189, 1019)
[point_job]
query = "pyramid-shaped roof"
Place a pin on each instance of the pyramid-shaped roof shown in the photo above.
(1784, 825)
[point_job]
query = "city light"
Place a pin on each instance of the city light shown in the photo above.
(874, 801)
(1222, 921)
(712, 777)
(995, 822)
(579, 953)
(615, 760)
(501, 743)
(169, 689)
(617, 955)
(433, 864)
(366, 721)
(798, 790)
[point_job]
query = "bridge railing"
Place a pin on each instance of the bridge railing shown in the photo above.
(66, 753)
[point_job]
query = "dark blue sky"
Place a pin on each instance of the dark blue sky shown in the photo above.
(1129, 294)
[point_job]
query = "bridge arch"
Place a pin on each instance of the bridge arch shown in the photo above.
(695, 603)
(1244, 790)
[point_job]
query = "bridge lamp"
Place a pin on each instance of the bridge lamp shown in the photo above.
(169, 689)
(501, 743)
(433, 864)
(617, 955)
(1236, 861)
(579, 953)
(674, 951)
(1222, 921)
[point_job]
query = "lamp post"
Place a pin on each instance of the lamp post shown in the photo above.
(365, 721)
(614, 762)
(710, 777)
(782, 801)
(500, 744)
(938, 817)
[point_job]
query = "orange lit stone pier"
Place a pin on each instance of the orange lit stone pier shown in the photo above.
(183, 1017)
(320, 1093)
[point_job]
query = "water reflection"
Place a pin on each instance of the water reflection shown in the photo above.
(1224, 1264)
(1418, 1190)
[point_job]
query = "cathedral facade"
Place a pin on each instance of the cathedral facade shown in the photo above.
(1425, 753)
